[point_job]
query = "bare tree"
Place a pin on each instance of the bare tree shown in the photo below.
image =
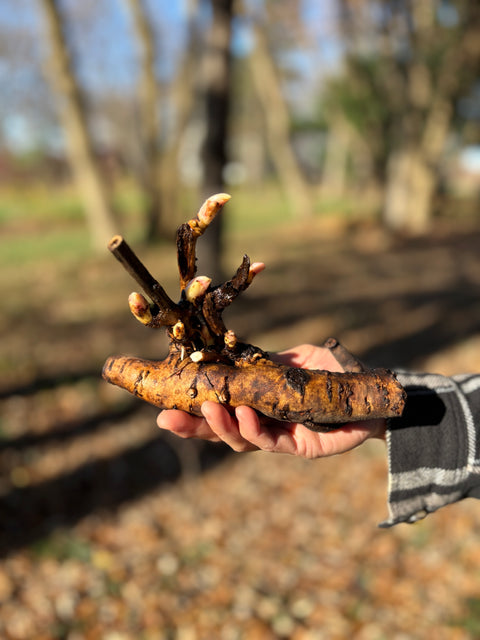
(406, 69)
(92, 187)
(278, 126)
(185, 93)
(216, 79)
(431, 92)
(150, 126)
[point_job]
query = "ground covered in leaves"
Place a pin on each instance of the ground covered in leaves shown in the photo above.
(112, 530)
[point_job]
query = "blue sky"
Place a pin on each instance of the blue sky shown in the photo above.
(103, 47)
(104, 51)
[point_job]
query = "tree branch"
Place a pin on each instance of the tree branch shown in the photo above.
(168, 310)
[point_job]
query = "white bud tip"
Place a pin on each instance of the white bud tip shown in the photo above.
(220, 198)
(178, 330)
(257, 267)
(230, 339)
(140, 307)
(211, 207)
(197, 288)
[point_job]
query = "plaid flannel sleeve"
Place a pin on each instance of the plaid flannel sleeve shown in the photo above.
(434, 448)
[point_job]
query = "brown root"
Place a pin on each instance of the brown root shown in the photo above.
(207, 362)
(317, 399)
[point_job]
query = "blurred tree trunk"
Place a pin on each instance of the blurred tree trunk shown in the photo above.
(91, 185)
(400, 94)
(431, 90)
(184, 95)
(412, 168)
(335, 164)
(151, 152)
(412, 175)
(277, 127)
(216, 78)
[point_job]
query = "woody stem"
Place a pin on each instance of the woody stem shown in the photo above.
(127, 258)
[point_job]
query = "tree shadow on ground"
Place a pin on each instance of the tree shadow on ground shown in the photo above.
(103, 483)
(397, 306)
(391, 307)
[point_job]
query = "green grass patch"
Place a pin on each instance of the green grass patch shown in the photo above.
(41, 223)
(256, 208)
(267, 207)
(61, 546)
(129, 200)
(38, 223)
(39, 203)
(470, 620)
(22, 249)
(44, 204)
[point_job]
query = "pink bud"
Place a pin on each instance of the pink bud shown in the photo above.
(140, 307)
(197, 288)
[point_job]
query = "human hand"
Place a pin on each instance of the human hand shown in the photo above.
(247, 431)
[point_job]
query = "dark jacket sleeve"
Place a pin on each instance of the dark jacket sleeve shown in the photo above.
(434, 448)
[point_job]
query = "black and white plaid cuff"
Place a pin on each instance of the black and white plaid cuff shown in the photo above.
(434, 448)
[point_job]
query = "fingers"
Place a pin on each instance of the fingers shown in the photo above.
(296, 439)
(275, 437)
(309, 356)
(247, 432)
(296, 356)
(185, 425)
(226, 427)
(244, 431)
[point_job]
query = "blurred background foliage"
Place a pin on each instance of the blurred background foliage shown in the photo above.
(144, 107)
(347, 133)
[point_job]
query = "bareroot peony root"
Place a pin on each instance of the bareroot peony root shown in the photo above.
(208, 362)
